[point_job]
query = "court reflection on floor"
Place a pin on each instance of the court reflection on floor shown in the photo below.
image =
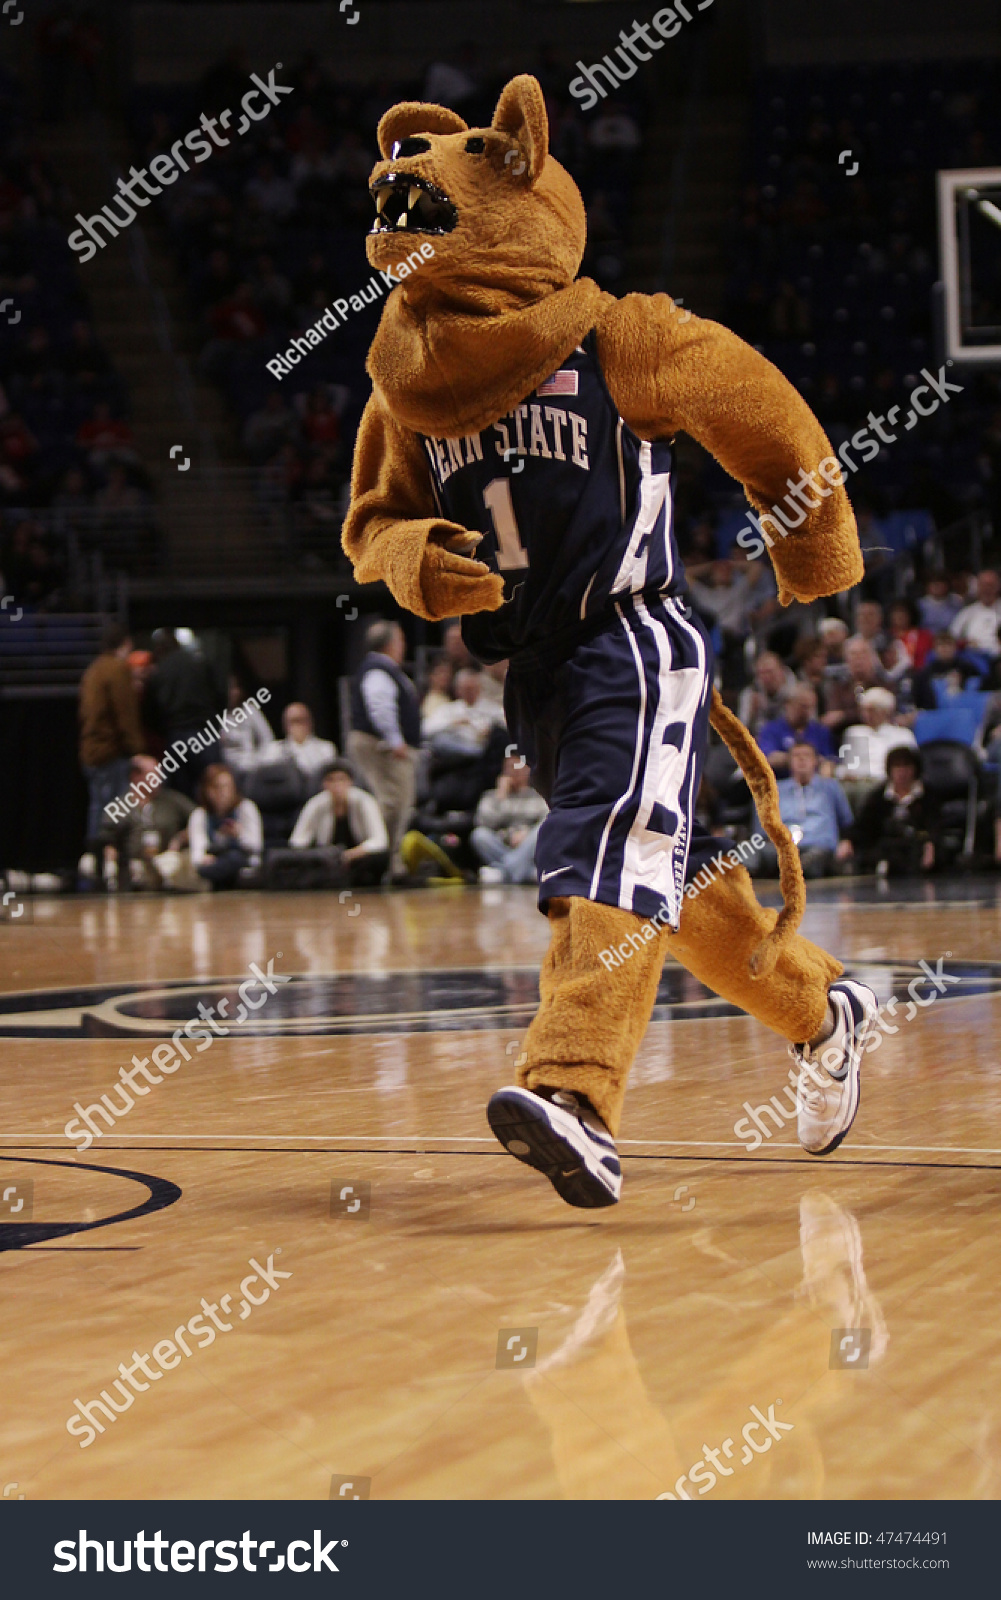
(753, 1433)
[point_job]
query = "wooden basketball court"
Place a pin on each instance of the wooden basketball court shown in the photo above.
(447, 1328)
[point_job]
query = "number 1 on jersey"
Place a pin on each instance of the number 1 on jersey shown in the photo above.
(510, 550)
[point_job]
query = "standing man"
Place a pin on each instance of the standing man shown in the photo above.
(110, 734)
(385, 736)
(183, 700)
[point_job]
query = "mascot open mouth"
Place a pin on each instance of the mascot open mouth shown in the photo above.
(406, 203)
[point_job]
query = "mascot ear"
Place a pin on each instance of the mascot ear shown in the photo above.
(412, 117)
(521, 112)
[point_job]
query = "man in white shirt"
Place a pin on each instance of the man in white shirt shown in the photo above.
(977, 623)
(866, 744)
(464, 725)
(344, 815)
(310, 754)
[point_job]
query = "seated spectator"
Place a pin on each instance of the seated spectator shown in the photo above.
(947, 663)
(439, 690)
(938, 607)
(274, 194)
(507, 823)
(106, 438)
(977, 624)
(267, 429)
(797, 725)
(728, 598)
(816, 812)
(847, 682)
(84, 361)
(300, 744)
(869, 625)
(910, 642)
(897, 826)
(346, 818)
(869, 742)
(225, 831)
(245, 744)
(761, 701)
(463, 726)
(833, 632)
(158, 826)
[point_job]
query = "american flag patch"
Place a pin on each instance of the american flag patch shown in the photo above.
(562, 382)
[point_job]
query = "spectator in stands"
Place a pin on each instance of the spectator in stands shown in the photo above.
(84, 362)
(245, 744)
(347, 818)
(949, 664)
(861, 670)
(439, 689)
(106, 438)
(762, 701)
(816, 812)
(833, 632)
(869, 742)
(32, 573)
(268, 428)
(464, 726)
(938, 607)
(869, 625)
(508, 819)
(120, 508)
(181, 700)
(797, 725)
(909, 642)
(272, 193)
(159, 825)
(897, 827)
(454, 80)
(977, 624)
(729, 599)
(225, 831)
(385, 737)
(454, 646)
(235, 321)
(110, 734)
(300, 744)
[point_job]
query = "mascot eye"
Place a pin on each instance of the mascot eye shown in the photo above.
(475, 147)
(414, 146)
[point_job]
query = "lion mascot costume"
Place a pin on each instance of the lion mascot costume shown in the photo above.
(513, 468)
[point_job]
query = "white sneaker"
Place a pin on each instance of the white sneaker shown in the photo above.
(828, 1090)
(491, 875)
(561, 1136)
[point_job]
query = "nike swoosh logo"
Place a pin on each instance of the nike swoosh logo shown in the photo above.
(554, 874)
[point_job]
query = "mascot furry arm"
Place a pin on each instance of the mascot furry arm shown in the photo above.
(470, 332)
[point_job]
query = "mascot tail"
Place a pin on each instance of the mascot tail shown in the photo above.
(761, 782)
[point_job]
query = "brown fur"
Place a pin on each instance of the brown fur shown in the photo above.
(721, 929)
(590, 1021)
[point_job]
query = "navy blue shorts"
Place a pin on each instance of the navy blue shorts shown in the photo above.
(616, 737)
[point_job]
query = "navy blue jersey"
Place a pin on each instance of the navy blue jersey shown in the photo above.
(575, 509)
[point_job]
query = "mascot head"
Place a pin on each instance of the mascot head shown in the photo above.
(497, 209)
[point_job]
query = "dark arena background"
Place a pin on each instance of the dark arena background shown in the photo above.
(259, 977)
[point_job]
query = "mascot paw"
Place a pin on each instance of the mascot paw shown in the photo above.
(452, 584)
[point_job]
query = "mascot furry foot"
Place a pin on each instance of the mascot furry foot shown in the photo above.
(565, 564)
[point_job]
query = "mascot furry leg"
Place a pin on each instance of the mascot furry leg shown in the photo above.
(593, 1013)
